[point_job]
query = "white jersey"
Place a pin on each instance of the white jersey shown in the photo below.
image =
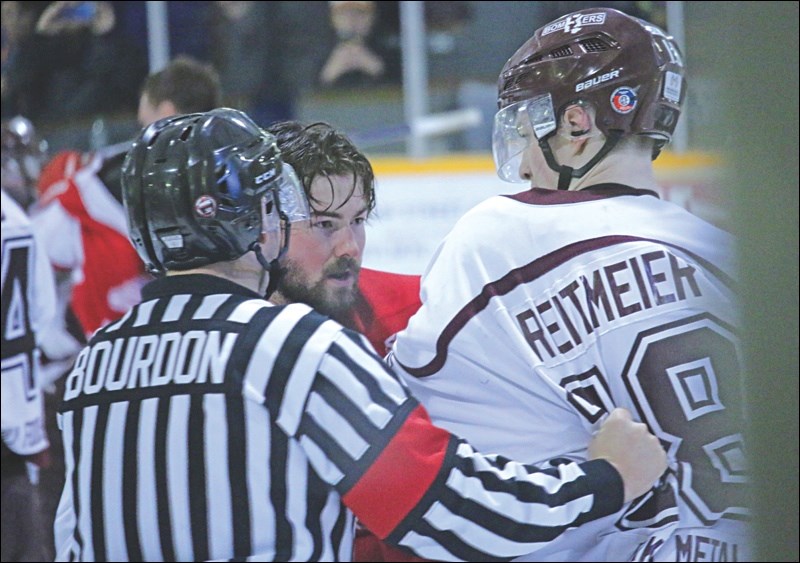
(28, 303)
(543, 311)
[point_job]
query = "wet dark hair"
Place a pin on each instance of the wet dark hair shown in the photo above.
(317, 149)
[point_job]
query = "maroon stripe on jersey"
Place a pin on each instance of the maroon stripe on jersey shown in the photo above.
(528, 273)
(384, 496)
(542, 196)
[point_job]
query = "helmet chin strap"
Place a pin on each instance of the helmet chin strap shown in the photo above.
(567, 173)
(273, 266)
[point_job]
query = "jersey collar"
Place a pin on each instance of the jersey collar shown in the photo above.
(196, 284)
(542, 196)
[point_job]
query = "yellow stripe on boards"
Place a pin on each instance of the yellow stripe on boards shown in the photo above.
(481, 162)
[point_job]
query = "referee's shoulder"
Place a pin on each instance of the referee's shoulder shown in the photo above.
(300, 322)
(299, 314)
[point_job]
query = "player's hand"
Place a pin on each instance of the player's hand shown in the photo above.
(632, 450)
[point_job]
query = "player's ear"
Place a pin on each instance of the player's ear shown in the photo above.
(577, 121)
(167, 109)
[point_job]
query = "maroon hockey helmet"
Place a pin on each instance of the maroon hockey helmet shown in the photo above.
(628, 70)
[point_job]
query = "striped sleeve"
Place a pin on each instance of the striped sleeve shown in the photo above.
(417, 485)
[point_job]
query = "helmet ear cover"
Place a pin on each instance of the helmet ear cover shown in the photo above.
(194, 187)
(631, 72)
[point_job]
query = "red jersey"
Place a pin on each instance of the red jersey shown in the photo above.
(385, 304)
(86, 232)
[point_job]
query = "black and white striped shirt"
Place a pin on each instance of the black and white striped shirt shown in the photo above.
(210, 424)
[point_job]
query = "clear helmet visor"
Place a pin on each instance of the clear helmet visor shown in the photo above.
(283, 203)
(515, 128)
(290, 196)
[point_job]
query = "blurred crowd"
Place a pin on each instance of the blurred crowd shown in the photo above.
(65, 60)
(68, 60)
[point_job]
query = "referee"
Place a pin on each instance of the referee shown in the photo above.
(209, 424)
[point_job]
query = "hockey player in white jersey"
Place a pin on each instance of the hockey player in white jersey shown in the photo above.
(27, 303)
(543, 311)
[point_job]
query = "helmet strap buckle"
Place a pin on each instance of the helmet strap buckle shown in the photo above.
(565, 177)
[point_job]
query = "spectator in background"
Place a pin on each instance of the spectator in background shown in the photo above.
(87, 69)
(20, 90)
(443, 21)
(258, 68)
(188, 26)
(359, 56)
(67, 16)
(67, 60)
(449, 16)
(27, 300)
(186, 85)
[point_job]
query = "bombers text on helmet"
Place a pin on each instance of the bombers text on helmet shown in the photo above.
(195, 188)
(629, 71)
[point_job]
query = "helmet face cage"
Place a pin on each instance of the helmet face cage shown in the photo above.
(629, 71)
(23, 157)
(197, 188)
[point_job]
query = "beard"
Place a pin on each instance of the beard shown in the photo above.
(294, 287)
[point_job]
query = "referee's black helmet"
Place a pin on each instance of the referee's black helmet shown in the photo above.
(194, 186)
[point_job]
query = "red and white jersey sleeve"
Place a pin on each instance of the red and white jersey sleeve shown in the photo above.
(87, 230)
(545, 310)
